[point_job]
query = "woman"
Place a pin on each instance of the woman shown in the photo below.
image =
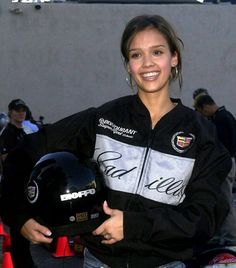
(162, 163)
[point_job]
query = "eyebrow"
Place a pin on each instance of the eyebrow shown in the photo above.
(150, 47)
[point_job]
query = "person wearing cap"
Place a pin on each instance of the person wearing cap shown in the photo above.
(10, 138)
(14, 132)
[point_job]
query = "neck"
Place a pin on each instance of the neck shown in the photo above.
(158, 104)
(215, 108)
(17, 124)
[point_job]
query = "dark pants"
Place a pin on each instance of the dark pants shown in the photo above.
(20, 251)
(90, 261)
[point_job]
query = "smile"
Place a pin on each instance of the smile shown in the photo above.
(151, 75)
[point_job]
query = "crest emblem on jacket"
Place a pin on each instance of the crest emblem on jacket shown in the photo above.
(181, 141)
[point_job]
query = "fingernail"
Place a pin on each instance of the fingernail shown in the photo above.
(48, 233)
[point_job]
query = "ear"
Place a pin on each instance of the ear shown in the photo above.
(128, 68)
(174, 60)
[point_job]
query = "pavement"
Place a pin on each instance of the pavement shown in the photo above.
(43, 258)
(43, 255)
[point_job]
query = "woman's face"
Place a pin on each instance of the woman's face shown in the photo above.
(150, 61)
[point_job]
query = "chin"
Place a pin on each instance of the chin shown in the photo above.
(152, 90)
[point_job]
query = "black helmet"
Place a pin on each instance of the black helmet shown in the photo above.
(66, 193)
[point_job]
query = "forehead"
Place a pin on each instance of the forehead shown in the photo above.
(20, 109)
(146, 38)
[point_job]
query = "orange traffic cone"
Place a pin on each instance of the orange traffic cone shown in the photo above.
(6, 243)
(7, 261)
(63, 248)
(2, 231)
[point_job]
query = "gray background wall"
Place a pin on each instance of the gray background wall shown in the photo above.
(65, 57)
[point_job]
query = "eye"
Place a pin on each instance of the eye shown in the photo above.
(134, 55)
(157, 52)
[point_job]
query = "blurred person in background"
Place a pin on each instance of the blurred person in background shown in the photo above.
(225, 124)
(199, 92)
(14, 132)
(11, 137)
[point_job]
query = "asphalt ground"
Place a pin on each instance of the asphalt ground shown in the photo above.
(43, 255)
(43, 258)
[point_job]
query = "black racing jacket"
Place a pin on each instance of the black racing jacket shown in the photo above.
(166, 180)
(226, 129)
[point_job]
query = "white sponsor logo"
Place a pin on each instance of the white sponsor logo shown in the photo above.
(75, 195)
(126, 132)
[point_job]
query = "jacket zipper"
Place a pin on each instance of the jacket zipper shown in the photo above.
(143, 165)
(150, 136)
(145, 157)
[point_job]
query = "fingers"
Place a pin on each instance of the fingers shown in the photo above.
(109, 241)
(112, 229)
(36, 232)
(100, 230)
(39, 238)
(107, 236)
(107, 209)
(44, 230)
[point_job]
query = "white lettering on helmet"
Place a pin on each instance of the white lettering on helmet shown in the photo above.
(75, 195)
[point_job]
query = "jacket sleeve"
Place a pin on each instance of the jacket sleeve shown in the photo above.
(16, 170)
(198, 217)
(73, 133)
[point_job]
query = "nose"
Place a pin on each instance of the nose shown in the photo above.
(147, 60)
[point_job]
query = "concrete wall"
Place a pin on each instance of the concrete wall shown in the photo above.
(65, 57)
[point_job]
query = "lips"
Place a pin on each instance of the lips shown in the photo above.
(150, 75)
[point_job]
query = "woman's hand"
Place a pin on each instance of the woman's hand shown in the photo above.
(111, 229)
(36, 232)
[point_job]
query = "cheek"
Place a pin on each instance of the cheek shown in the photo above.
(13, 115)
(133, 68)
(166, 64)
(165, 68)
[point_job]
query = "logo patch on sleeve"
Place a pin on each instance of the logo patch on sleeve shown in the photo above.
(181, 142)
